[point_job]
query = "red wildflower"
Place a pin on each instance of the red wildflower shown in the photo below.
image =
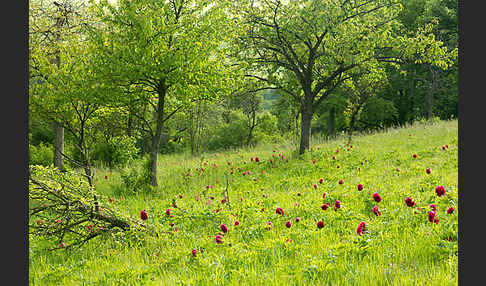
(361, 228)
(315, 186)
(341, 182)
(167, 212)
(279, 211)
(257, 159)
(324, 206)
(237, 223)
(440, 191)
(143, 215)
(377, 197)
(321, 180)
(450, 210)
(194, 251)
(431, 216)
(269, 225)
(337, 205)
(433, 207)
(360, 187)
(324, 195)
(320, 224)
(288, 224)
(410, 202)
(427, 170)
(224, 228)
(376, 211)
(297, 219)
(219, 239)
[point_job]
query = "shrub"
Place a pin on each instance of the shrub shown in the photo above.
(42, 154)
(137, 177)
(117, 152)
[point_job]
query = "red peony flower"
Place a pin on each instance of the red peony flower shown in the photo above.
(360, 187)
(324, 206)
(410, 202)
(269, 225)
(440, 191)
(337, 205)
(377, 197)
(143, 215)
(320, 224)
(450, 210)
(376, 211)
(361, 228)
(219, 239)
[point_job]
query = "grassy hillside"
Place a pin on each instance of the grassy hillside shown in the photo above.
(398, 247)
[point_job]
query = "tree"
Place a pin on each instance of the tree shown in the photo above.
(51, 23)
(316, 44)
(167, 54)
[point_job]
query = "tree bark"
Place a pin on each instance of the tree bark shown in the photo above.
(331, 122)
(58, 146)
(305, 127)
(154, 152)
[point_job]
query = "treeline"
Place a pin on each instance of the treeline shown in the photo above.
(113, 82)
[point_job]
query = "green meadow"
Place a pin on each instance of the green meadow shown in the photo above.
(399, 247)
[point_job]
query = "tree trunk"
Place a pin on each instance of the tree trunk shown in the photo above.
(430, 97)
(305, 129)
(154, 152)
(58, 146)
(58, 131)
(331, 122)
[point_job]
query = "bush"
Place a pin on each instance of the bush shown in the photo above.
(42, 154)
(137, 177)
(117, 152)
(229, 135)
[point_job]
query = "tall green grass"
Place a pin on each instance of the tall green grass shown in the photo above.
(400, 247)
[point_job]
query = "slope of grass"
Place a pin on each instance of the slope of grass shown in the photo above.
(399, 247)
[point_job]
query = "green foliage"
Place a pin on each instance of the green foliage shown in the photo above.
(228, 135)
(136, 177)
(42, 154)
(377, 112)
(118, 152)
